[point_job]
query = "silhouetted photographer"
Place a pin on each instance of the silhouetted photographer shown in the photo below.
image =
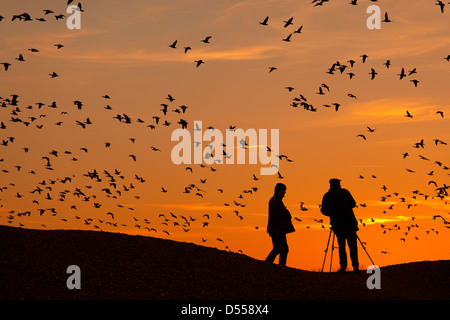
(279, 225)
(338, 204)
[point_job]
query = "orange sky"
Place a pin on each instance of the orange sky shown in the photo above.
(122, 50)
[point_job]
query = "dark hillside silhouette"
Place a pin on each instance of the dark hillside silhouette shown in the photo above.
(33, 265)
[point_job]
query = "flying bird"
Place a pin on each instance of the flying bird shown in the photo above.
(6, 65)
(264, 23)
(320, 91)
(364, 57)
(288, 22)
(174, 44)
(299, 30)
(78, 103)
(183, 123)
(326, 87)
(437, 141)
(336, 106)
(415, 81)
(441, 5)
(402, 74)
(419, 144)
(25, 16)
(410, 72)
(170, 98)
(206, 40)
(386, 18)
(372, 73)
(319, 2)
(199, 62)
(288, 38)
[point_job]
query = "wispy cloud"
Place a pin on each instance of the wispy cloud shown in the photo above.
(115, 56)
(383, 111)
(199, 206)
(41, 39)
(256, 52)
(393, 110)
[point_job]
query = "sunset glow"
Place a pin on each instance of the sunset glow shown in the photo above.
(69, 167)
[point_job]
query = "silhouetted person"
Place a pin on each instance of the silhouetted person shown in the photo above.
(338, 204)
(279, 225)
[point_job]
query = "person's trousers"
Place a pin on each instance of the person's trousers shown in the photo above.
(280, 247)
(351, 239)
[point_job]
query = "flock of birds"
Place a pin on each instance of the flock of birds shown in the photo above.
(339, 68)
(26, 17)
(105, 192)
(71, 193)
(394, 199)
(186, 49)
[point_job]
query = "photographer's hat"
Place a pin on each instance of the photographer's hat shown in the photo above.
(334, 181)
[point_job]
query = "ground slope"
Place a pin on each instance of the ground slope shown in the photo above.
(33, 265)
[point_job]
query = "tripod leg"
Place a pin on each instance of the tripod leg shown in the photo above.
(326, 250)
(332, 249)
(365, 250)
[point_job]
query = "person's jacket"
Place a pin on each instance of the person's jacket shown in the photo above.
(279, 217)
(338, 204)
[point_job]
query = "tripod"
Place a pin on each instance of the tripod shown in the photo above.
(332, 249)
(326, 250)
